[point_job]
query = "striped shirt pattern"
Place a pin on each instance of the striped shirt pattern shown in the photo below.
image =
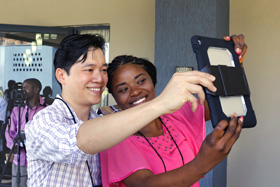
(52, 153)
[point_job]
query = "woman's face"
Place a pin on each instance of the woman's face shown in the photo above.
(131, 86)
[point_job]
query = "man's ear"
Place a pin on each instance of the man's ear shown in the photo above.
(60, 75)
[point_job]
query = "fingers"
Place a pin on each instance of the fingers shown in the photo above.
(243, 53)
(194, 81)
(183, 85)
(227, 38)
(199, 78)
(239, 45)
(220, 128)
(192, 99)
(232, 125)
(231, 134)
(194, 89)
(236, 134)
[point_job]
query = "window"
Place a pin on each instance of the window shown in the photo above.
(28, 52)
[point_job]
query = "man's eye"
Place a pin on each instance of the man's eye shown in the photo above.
(88, 70)
(104, 70)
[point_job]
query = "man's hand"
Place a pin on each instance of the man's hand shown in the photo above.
(181, 88)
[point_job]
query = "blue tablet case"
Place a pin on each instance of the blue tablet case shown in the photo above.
(230, 81)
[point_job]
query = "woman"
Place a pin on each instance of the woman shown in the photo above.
(169, 151)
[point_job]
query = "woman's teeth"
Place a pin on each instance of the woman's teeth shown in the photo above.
(94, 89)
(139, 101)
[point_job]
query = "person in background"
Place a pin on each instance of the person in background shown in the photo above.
(3, 121)
(64, 139)
(12, 85)
(47, 93)
(3, 110)
(32, 105)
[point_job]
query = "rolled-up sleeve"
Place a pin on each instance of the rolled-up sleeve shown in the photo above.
(11, 129)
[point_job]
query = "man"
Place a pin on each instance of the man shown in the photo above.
(33, 104)
(7, 95)
(47, 93)
(63, 140)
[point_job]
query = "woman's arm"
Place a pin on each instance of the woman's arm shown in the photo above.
(214, 150)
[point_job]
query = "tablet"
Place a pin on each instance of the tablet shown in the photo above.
(218, 57)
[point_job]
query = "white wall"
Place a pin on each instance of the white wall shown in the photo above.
(132, 22)
(254, 161)
(39, 68)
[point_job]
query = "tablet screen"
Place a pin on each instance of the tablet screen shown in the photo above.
(230, 104)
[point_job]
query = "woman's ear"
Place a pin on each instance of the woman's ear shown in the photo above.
(60, 75)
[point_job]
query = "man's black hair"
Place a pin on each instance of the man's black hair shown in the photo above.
(73, 47)
(35, 83)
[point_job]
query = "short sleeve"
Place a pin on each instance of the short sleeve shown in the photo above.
(121, 161)
(192, 124)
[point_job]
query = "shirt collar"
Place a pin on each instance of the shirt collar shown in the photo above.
(92, 113)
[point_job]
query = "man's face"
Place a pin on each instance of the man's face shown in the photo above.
(86, 81)
(29, 89)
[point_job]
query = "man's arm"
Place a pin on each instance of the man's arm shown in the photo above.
(11, 129)
(102, 133)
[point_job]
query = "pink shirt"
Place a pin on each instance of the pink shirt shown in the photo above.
(135, 153)
(11, 133)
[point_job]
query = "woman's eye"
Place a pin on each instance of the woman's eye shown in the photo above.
(141, 81)
(123, 90)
